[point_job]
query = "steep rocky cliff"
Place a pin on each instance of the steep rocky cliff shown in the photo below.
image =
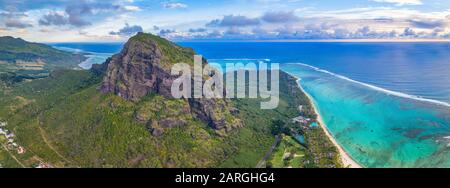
(143, 67)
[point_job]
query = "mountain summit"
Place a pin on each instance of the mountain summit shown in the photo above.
(143, 67)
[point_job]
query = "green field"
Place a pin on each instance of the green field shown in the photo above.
(289, 153)
(21, 60)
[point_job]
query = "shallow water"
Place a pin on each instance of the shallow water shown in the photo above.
(98, 52)
(376, 128)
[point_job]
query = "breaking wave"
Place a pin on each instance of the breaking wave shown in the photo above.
(389, 92)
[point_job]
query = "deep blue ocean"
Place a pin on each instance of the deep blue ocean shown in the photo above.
(419, 69)
(387, 104)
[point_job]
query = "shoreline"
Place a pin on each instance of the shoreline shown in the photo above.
(346, 159)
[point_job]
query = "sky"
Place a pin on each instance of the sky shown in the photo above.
(223, 20)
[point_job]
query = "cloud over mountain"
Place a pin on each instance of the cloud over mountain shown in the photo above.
(127, 30)
(14, 19)
(79, 14)
(54, 19)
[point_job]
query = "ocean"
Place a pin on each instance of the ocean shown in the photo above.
(386, 104)
(98, 52)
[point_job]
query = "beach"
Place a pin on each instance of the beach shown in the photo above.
(345, 158)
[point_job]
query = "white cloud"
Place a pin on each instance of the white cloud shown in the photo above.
(174, 5)
(254, 19)
(401, 2)
(131, 8)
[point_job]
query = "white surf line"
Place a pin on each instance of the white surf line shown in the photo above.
(76, 50)
(238, 59)
(346, 158)
(389, 92)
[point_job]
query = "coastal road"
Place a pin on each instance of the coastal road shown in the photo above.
(262, 163)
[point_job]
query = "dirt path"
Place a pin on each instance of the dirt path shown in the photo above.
(14, 157)
(44, 137)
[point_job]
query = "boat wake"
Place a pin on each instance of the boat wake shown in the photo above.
(389, 92)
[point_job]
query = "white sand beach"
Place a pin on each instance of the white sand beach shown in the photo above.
(345, 158)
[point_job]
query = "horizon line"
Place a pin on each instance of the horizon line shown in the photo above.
(287, 41)
(325, 40)
(399, 40)
(265, 40)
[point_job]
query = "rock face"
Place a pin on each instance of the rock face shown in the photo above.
(143, 67)
(137, 71)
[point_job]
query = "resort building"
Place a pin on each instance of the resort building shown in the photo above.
(301, 119)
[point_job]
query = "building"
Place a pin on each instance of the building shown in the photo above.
(300, 108)
(10, 135)
(21, 150)
(301, 119)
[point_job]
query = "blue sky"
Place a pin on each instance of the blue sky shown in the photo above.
(117, 20)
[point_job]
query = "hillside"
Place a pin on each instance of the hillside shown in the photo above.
(20, 59)
(108, 117)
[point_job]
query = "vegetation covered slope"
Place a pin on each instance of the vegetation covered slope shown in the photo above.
(20, 59)
(64, 121)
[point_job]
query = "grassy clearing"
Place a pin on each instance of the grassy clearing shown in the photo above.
(289, 153)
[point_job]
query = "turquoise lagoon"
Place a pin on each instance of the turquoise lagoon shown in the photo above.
(377, 127)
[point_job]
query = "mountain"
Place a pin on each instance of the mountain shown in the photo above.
(21, 59)
(119, 114)
(144, 67)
